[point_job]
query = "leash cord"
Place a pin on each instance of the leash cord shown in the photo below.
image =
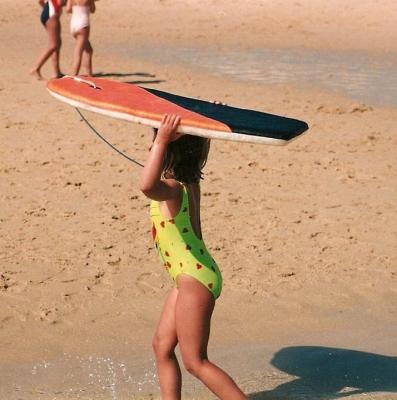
(108, 143)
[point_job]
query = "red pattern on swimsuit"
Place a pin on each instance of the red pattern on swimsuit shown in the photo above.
(154, 232)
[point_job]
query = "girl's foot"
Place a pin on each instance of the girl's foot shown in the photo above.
(58, 75)
(88, 72)
(36, 73)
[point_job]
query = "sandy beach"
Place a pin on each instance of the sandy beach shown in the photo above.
(305, 235)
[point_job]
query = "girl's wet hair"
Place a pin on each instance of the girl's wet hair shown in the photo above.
(185, 158)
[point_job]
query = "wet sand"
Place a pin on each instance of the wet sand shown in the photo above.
(305, 235)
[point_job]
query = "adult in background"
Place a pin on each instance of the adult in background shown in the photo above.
(50, 18)
(80, 29)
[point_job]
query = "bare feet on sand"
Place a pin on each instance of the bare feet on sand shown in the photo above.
(36, 73)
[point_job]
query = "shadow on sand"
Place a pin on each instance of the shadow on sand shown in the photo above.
(330, 373)
(140, 82)
(123, 74)
(141, 75)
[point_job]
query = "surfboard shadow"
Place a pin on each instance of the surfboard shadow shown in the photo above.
(145, 82)
(330, 373)
(123, 74)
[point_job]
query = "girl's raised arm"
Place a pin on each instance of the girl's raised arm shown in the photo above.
(151, 183)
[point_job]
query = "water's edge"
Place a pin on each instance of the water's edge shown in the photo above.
(367, 78)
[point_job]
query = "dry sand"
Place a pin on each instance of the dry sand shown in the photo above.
(305, 234)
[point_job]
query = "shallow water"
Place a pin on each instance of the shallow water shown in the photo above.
(74, 377)
(367, 78)
(112, 377)
(295, 372)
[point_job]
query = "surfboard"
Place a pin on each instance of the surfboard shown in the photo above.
(198, 117)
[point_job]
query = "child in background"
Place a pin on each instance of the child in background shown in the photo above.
(171, 178)
(50, 18)
(80, 29)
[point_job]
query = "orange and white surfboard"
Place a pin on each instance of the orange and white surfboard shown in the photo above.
(147, 106)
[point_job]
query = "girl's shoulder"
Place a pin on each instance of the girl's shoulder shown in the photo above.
(173, 183)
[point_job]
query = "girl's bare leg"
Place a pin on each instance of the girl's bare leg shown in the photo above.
(194, 307)
(81, 42)
(87, 59)
(56, 54)
(164, 343)
(53, 28)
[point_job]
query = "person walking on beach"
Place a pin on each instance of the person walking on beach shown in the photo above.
(50, 18)
(80, 29)
(171, 179)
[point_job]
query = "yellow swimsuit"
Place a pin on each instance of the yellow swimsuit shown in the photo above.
(180, 250)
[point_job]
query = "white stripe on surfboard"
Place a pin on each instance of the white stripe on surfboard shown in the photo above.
(207, 133)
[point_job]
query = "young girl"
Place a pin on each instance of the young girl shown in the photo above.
(80, 28)
(50, 18)
(171, 178)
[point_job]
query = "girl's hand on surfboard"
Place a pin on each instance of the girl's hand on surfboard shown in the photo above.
(220, 103)
(168, 129)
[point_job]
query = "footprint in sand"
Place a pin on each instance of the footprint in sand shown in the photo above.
(5, 320)
(9, 284)
(144, 283)
(48, 314)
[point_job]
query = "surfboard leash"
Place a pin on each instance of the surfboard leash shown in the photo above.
(107, 142)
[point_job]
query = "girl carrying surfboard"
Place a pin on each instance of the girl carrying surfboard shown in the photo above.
(171, 179)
